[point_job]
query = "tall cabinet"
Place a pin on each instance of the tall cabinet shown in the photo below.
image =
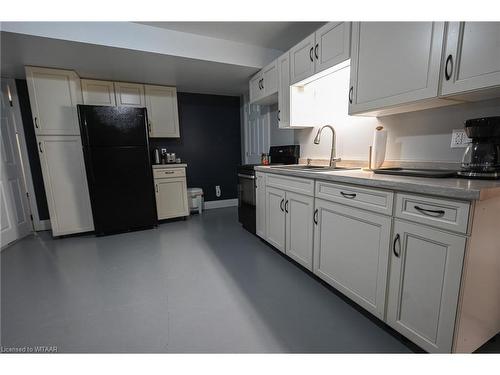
(54, 95)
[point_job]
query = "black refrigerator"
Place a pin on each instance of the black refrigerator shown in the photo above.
(118, 165)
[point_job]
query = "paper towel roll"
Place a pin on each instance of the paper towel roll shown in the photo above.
(379, 145)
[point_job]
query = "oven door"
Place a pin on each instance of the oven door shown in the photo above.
(246, 201)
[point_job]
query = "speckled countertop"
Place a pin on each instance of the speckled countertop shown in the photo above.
(172, 165)
(455, 188)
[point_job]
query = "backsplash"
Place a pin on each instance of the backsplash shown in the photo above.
(422, 136)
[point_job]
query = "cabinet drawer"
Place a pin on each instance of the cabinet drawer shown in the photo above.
(441, 213)
(294, 184)
(369, 199)
(169, 172)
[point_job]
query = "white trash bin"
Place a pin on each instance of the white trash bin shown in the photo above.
(195, 199)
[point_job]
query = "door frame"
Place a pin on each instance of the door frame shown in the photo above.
(29, 186)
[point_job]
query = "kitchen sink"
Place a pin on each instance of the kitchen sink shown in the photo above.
(312, 168)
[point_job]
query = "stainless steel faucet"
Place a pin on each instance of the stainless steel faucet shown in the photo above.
(333, 160)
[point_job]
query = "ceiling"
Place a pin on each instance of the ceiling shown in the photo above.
(276, 35)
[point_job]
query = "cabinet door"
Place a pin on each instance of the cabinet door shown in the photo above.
(54, 95)
(351, 249)
(394, 63)
(275, 217)
(302, 60)
(260, 201)
(65, 181)
(270, 79)
(161, 104)
(333, 45)
(98, 92)
(284, 91)
(299, 228)
(130, 94)
(425, 273)
(255, 88)
(171, 197)
(472, 58)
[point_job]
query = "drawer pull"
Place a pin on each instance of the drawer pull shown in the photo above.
(315, 217)
(348, 195)
(397, 240)
(432, 213)
(281, 205)
(286, 206)
(169, 172)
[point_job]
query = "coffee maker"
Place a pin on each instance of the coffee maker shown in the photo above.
(482, 156)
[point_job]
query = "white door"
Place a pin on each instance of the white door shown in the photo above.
(333, 45)
(472, 58)
(302, 60)
(257, 133)
(260, 202)
(284, 91)
(270, 79)
(351, 249)
(98, 92)
(130, 94)
(255, 87)
(65, 181)
(394, 63)
(275, 217)
(425, 273)
(163, 117)
(54, 95)
(299, 228)
(15, 213)
(171, 197)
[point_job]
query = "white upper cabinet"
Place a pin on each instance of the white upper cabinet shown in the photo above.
(284, 91)
(54, 95)
(161, 104)
(264, 85)
(302, 60)
(394, 63)
(327, 47)
(98, 92)
(351, 249)
(425, 274)
(472, 58)
(129, 94)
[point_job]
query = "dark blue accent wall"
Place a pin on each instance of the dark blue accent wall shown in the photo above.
(210, 142)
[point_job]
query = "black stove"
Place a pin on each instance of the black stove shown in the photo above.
(289, 154)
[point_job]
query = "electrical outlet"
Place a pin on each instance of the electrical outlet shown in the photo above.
(459, 139)
(217, 191)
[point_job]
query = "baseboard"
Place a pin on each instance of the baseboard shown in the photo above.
(220, 204)
(43, 225)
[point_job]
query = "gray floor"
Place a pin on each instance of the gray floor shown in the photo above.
(201, 285)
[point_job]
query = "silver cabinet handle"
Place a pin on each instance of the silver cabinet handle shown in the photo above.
(281, 204)
(40, 147)
(36, 123)
(432, 213)
(348, 195)
(286, 206)
(397, 240)
(315, 216)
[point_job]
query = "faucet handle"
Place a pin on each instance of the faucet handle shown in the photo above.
(336, 159)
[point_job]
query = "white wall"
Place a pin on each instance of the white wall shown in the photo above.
(415, 136)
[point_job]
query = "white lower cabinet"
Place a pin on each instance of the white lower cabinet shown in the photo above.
(299, 211)
(425, 275)
(260, 203)
(171, 194)
(65, 181)
(275, 217)
(351, 252)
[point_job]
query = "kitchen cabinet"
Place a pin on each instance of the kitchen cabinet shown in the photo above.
(163, 117)
(472, 59)
(394, 64)
(98, 92)
(65, 181)
(351, 249)
(283, 66)
(275, 217)
(264, 85)
(129, 94)
(260, 203)
(54, 95)
(171, 193)
(299, 211)
(327, 47)
(425, 274)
